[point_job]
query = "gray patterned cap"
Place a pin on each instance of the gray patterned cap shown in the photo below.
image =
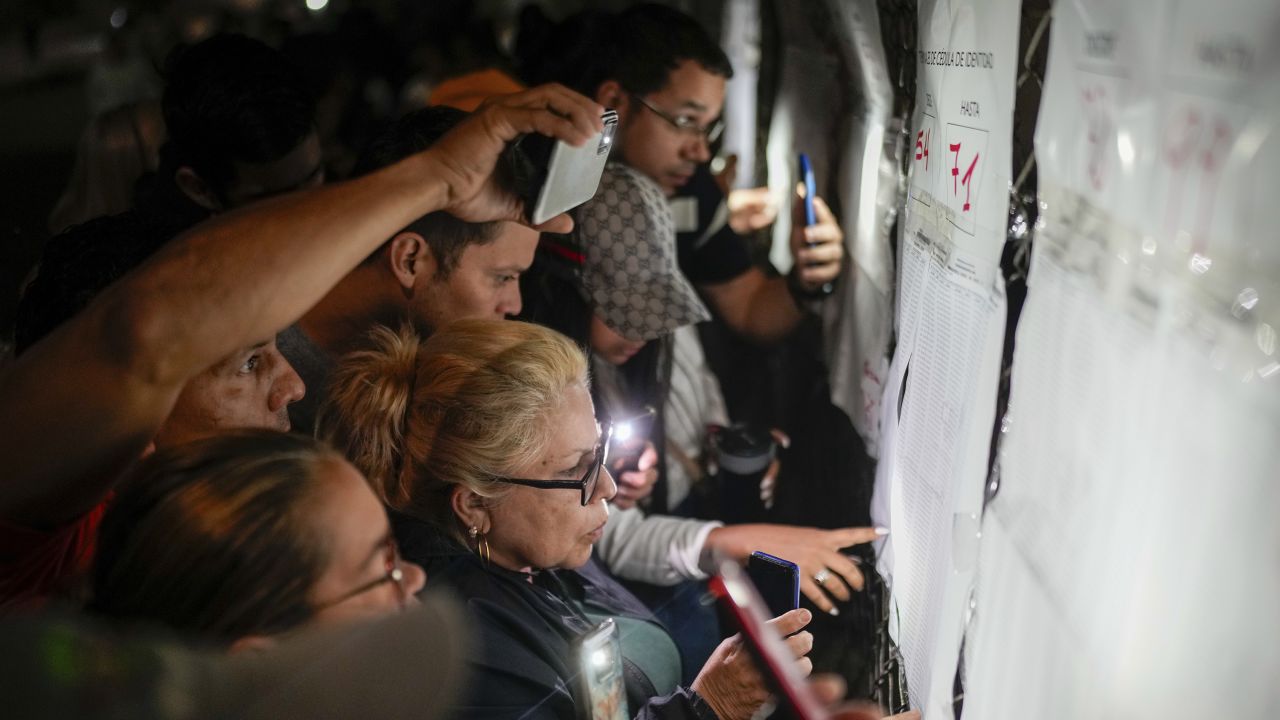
(630, 274)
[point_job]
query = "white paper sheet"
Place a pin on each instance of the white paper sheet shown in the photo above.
(834, 56)
(1130, 564)
(858, 319)
(950, 318)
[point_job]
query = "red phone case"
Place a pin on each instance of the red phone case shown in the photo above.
(734, 591)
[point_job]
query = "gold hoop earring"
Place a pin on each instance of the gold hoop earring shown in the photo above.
(482, 543)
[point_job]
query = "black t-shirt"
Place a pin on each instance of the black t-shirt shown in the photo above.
(708, 250)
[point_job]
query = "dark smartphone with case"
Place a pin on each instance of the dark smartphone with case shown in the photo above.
(735, 593)
(777, 580)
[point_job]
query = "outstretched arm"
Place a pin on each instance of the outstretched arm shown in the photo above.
(86, 400)
(817, 552)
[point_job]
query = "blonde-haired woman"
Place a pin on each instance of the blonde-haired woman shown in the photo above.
(487, 432)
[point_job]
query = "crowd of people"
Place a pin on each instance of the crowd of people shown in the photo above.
(251, 398)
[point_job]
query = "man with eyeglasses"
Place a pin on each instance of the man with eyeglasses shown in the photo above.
(666, 78)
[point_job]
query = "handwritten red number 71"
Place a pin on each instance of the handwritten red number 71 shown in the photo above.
(968, 175)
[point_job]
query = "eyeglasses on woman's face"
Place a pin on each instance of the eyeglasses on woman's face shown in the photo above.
(586, 486)
(393, 573)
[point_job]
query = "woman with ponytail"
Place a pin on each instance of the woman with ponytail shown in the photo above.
(483, 440)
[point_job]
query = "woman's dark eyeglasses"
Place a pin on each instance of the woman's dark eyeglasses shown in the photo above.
(394, 574)
(709, 132)
(587, 485)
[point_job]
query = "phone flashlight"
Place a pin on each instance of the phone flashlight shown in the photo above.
(606, 138)
(622, 431)
(629, 435)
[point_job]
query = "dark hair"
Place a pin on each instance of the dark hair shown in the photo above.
(638, 47)
(446, 235)
(81, 262)
(212, 538)
(573, 52)
(552, 296)
(231, 98)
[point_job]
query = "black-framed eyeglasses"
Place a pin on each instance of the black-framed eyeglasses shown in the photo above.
(587, 485)
(394, 574)
(685, 124)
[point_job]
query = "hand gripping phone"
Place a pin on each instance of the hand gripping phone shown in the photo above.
(559, 176)
(736, 594)
(811, 215)
(777, 580)
(599, 659)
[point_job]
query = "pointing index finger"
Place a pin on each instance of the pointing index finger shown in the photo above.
(858, 535)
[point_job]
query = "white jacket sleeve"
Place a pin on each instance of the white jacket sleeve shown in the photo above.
(657, 549)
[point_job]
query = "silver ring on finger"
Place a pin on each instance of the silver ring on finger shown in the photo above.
(821, 576)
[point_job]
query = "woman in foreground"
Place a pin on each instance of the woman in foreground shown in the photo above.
(242, 537)
(484, 439)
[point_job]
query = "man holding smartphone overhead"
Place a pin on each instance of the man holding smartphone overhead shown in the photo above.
(139, 348)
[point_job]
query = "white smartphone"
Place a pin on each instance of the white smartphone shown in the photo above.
(599, 655)
(565, 176)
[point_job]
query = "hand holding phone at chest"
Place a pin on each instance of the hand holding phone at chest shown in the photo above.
(599, 658)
